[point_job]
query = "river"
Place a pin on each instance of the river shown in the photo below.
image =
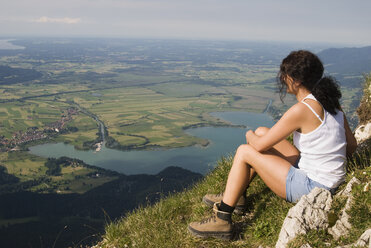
(223, 142)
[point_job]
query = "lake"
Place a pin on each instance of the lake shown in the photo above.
(223, 141)
(7, 45)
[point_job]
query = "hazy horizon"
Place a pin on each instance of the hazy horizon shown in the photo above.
(331, 21)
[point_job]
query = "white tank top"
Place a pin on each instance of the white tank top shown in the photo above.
(323, 150)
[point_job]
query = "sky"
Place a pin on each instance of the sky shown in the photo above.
(334, 21)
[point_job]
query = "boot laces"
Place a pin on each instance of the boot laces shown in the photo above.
(219, 195)
(207, 220)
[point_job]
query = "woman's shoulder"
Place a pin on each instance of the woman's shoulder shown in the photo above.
(298, 113)
(295, 114)
(297, 109)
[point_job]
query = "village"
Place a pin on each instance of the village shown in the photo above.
(35, 133)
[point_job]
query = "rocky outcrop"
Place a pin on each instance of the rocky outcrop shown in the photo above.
(363, 241)
(342, 225)
(363, 131)
(306, 246)
(347, 191)
(311, 212)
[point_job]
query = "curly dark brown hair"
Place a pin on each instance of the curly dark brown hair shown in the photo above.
(306, 68)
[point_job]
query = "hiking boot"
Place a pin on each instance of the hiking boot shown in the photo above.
(210, 199)
(219, 225)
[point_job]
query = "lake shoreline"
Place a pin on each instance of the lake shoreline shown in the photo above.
(221, 140)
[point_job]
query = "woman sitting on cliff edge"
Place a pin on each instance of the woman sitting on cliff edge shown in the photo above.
(322, 140)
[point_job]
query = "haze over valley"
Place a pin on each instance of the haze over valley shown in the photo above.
(143, 97)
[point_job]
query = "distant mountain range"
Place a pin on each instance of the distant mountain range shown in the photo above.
(347, 63)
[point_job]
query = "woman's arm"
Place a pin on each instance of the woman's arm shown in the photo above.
(289, 122)
(351, 140)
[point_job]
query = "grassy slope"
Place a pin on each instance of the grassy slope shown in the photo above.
(165, 223)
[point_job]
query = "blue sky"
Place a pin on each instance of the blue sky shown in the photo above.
(340, 21)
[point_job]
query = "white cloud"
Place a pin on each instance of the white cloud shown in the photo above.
(66, 20)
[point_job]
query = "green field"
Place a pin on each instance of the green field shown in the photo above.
(23, 165)
(152, 114)
(146, 94)
(155, 111)
(141, 110)
(87, 131)
(73, 179)
(18, 116)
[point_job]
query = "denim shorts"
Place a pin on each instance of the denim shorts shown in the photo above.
(299, 184)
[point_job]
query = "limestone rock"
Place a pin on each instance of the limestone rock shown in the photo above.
(309, 213)
(306, 246)
(363, 241)
(363, 132)
(342, 225)
(366, 188)
(348, 189)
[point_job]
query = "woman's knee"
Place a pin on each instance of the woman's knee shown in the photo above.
(261, 131)
(245, 151)
(243, 148)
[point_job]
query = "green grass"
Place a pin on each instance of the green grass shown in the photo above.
(165, 223)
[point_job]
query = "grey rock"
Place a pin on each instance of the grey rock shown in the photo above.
(363, 241)
(363, 132)
(306, 246)
(309, 213)
(348, 189)
(366, 188)
(343, 225)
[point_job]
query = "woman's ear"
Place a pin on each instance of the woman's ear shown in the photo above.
(288, 79)
(296, 84)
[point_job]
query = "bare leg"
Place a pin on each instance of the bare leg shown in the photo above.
(283, 149)
(272, 167)
(252, 176)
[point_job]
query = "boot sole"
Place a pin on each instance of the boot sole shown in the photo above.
(219, 235)
(239, 210)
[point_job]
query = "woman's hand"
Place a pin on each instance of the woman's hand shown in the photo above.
(292, 120)
(248, 133)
